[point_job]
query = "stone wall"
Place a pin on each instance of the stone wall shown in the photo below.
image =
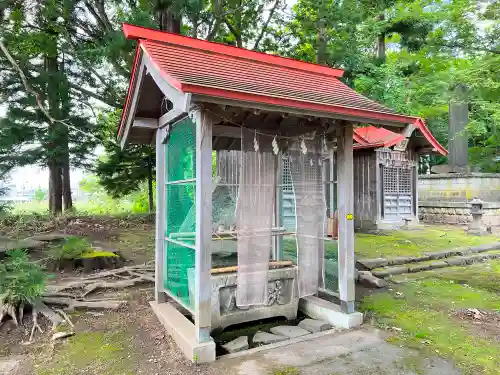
(444, 198)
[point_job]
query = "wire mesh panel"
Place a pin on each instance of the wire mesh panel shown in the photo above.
(181, 211)
(254, 220)
(310, 207)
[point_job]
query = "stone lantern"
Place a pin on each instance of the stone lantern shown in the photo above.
(476, 211)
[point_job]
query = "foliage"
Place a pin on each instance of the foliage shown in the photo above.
(21, 280)
(71, 248)
(39, 195)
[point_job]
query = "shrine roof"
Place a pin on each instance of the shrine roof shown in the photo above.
(216, 70)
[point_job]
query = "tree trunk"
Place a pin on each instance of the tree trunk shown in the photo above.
(167, 20)
(55, 189)
(66, 186)
(381, 55)
(150, 182)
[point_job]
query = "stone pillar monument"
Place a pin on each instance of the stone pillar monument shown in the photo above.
(458, 159)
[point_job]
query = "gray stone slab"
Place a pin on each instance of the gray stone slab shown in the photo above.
(237, 345)
(314, 325)
(438, 264)
(418, 267)
(421, 258)
(384, 272)
(475, 258)
(367, 279)
(484, 247)
(289, 331)
(264, 338)
(396, 261)
(369, 264)
(456, 261)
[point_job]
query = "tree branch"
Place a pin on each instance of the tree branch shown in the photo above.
(235, 32)
(266, 24)
(37, 96)
(94, 95)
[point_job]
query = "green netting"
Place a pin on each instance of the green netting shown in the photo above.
(179, 270)
(181, 210)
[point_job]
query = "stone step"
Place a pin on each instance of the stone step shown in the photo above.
(459, 260)
(375, 263)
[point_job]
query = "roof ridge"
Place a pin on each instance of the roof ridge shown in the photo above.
(143, 33)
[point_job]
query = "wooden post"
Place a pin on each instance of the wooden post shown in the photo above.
(161, 210)
(345, 201)
(203, 281)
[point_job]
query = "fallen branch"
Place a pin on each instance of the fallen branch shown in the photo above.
(75, 304)
(111, 285)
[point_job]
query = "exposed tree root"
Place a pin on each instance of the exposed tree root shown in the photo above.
(34, 314)
(72, 294)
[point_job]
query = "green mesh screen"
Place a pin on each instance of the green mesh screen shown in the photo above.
(181, 211)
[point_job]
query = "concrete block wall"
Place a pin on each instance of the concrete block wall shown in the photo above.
(444, 198)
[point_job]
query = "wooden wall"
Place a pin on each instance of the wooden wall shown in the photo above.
(365, 189)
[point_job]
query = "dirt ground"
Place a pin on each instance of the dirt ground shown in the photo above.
(128, 341)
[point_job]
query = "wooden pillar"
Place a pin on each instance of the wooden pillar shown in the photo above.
(203, 283)
(345, 201)
(161, 210)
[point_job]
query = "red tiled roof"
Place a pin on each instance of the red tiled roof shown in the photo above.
(373, 137)
(218, 70)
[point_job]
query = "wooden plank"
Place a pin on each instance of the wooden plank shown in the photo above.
(141, 72)
(145, 123)
(346, 222)
(203, 282)
(161, 209)
(274, 264)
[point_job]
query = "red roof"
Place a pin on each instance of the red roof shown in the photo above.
(217, 70)
(373, 137)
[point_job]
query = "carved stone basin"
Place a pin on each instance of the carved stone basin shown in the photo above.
(283, 298)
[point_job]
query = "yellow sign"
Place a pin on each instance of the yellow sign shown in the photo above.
(349, 216)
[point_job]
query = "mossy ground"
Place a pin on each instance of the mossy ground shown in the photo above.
(424, 309)
(93, 352)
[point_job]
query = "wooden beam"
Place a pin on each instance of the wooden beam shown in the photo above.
(161, 209)
(171, 116)
(226, 131)
(133, 105)
(145, 123)
(203, 257)
(345, 200)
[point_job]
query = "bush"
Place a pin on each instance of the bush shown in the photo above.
(73, 247)
(21, 280)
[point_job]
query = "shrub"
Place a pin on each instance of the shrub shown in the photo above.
(21, 279)
(71, 248)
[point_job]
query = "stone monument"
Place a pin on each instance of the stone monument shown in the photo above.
(446, 196)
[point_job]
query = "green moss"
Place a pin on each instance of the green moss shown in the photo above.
(423, 312)
(286, 371)
(92, 352)
(415, 242)
(96, 253)
(414, 363)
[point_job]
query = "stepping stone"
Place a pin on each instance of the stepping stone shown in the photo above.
(237, 345)
(313, 325)
(396, 261)
(366, 278)
(456, 261)
(384, 272)
(485, 247)
(264, 338)
(438, 264)
(289, 331)
(369, 264)
(419, 267)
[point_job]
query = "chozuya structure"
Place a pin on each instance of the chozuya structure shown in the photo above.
(220, 242)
